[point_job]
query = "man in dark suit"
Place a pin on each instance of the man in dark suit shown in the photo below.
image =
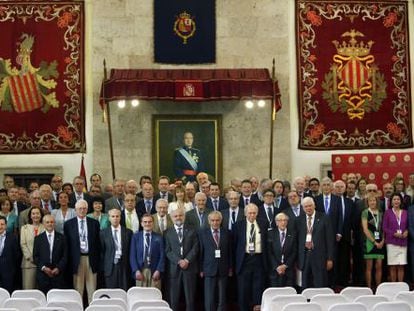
(249, 238)
(295, 210)
(129, 215)
(281, 253)
(117, 199)
(214, 201)
(9, 257)
(268, 211)
(234, 213)
(17, 207)
(215, 262)
(147, 255)
(82, 234)
(197, 217)
(315, 246)
(163, 186)
(50, 253)
(147, 204)
(56, 183)
(281, 203)
(46, 196)
(387, 191)
(181, 250)
(247, 194)
(79, 194)
(115, 245)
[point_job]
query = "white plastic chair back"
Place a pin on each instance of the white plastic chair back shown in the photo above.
(103, 308)
(30, 293)
(154, 309)
(392, 306)
(142, 293)
(348, 306)
(110, 293)
(302, 306)
(371, 300)
(64, 295)
(9, 309)
(270, 292)
(68, 304)
(109, 302)
(4, 294)
(50, 309)
(406, 296)
(390, 289)
(328, 300)
(309, 293)
(148, 303)
(22, 304)
(278, 302)
(351, 293)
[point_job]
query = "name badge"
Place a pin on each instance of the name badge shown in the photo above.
(376, 235)
(251, 247)
(83, 245)
(148, 260)
(217, 253)
(118, 254)
(308, 237)
(283, 259)
(181, 251)
(399, 231)
(269, 229)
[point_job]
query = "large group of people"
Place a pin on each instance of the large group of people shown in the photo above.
(199, 240)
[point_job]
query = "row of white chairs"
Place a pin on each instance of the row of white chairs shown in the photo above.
(348, 306)
(68, 299)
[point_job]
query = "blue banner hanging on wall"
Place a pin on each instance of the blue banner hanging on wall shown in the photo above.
(184, 31)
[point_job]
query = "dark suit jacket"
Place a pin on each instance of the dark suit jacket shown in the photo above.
(169, 195)
(41, 255)
(322, 237)
(157, 254)
(108, 250)
(292, 217)
(192, 220)
(284, 204)
(227, 217)
(86, 196)
(346, 220)
(275, 250)
(141, 210)
(335, 207)
(111, 203)
(209, 264)
(10, 260)
(222, 204)
(52, 205)
(190, 246)
(264, 217)
(253, 199)
(71, 231)
(239, 245)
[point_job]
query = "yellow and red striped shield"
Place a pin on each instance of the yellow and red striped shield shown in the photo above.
(25, 93)
(354, 74)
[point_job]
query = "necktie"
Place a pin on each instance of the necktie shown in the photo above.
(215, 204)
(147, 247)
(277, 203)
(49, 237)
(129, 220)
(83, 229)
(282, 238)
(162, 224)
(201, 219)
(326, 205)
(2, 240)
(233, 217)
(216, 237)
(116, 259)
(246, 202)
(78, 197)
(47, 206)
(120, 203)
(180, 233)
(270, 213)
(308, 244)
(297, 211)
(148, 206)
(252, 238)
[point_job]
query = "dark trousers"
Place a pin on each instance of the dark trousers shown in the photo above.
(188, 281)
(118, 278)
(343, 263)
(211, 286)
(250, 282)
(277, 280)
(314, 273)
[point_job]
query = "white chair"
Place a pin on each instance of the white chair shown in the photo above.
(142, 293)
(348, 306)
(64, 295)
(22, 304)
(302, 306)
(104, 308)
(110, 293)
(50, 309)
(274, 291)
(351, 293)
(392, 306)
(278, 302)
(309, 293)
(9, 309)
(30, 293)
(111, 301)
(406, 296)
(148, 303)
(154, 309)
(390, 289)
(4, 294)
(327, 300)
(70, 305)
(371, 300)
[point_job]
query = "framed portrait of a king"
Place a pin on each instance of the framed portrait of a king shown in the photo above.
(185, 145)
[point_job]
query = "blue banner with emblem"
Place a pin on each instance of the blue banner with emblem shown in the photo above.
(184, 31)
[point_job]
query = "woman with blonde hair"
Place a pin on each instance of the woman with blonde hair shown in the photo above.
(180, 200)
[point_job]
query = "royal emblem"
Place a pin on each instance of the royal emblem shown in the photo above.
(188, 90)
(27, 88)
(184, 26)
(354, 84)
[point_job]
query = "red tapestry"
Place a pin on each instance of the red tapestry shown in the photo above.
(353, 74)
(41, 76)
(377, 168)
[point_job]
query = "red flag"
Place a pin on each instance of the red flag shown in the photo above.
(83, 173)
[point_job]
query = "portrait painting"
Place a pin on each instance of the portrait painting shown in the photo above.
(185, 145)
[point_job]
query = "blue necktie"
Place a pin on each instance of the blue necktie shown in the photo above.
(326, 205)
